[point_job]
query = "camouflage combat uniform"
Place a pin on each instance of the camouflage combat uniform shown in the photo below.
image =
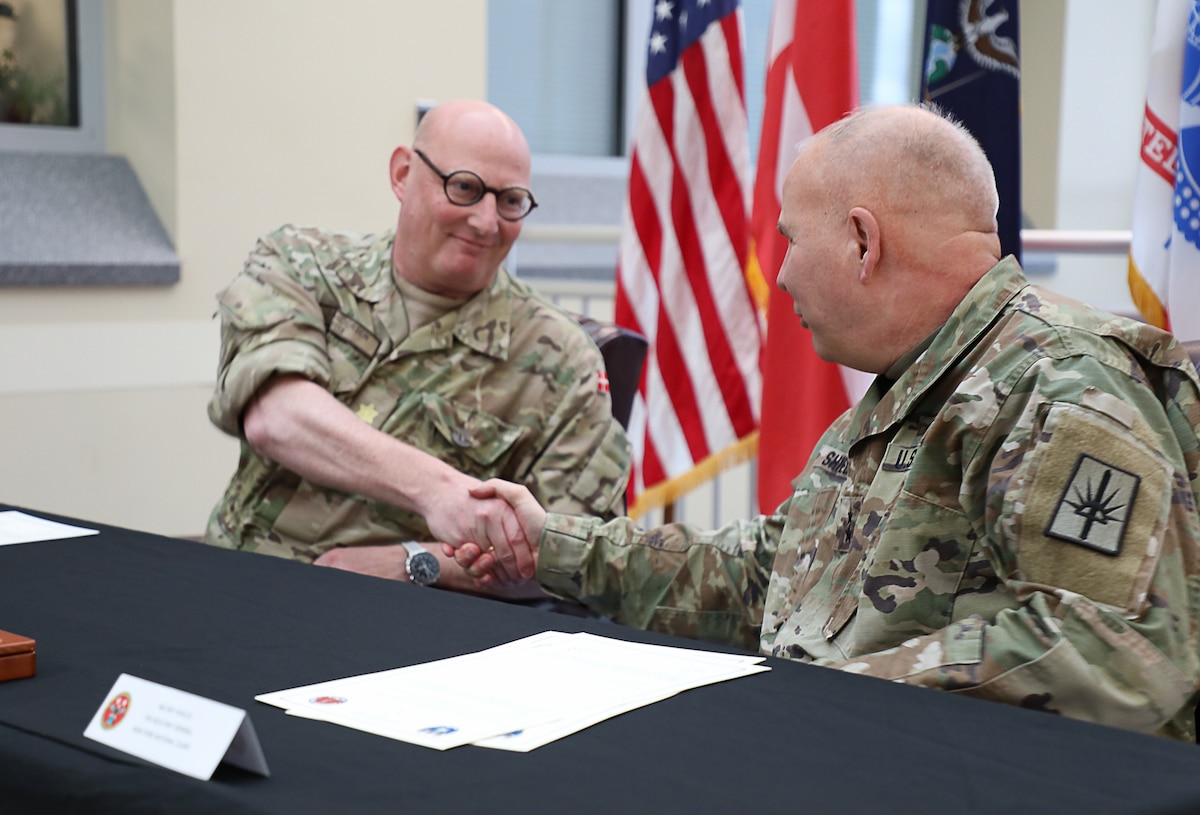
(1013, 517)
(504, 386)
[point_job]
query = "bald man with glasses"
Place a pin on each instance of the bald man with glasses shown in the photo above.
(375, 379)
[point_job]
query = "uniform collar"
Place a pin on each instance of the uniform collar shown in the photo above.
(483, 323)
(883, 406)
(365, 269)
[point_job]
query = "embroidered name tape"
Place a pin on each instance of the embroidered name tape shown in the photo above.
(834, 463)
(899, 457)
(350, 331)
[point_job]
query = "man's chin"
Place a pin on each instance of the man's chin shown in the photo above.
(819, 347)
(466, 280)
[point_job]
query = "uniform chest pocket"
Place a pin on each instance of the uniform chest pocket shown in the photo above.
(825, 557)
(924, 560)
(821, 582)
(472, 440)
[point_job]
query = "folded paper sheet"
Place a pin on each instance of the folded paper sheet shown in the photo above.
(516, 696)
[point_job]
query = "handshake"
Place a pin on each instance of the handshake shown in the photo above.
(496, 538)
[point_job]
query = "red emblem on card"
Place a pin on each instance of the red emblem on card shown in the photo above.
(115, 712)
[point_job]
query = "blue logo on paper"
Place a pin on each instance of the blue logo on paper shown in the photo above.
(441, 730)
(1187, 191)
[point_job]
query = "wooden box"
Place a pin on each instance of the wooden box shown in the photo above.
(18, 656)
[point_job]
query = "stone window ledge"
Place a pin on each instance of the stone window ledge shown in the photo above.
(79, 220)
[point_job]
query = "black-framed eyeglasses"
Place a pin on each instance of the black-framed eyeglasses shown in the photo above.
(464, 188)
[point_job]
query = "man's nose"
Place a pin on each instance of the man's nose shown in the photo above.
(485, 215)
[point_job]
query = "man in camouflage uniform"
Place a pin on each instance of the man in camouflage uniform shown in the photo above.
(373, 379)
(1010, 511)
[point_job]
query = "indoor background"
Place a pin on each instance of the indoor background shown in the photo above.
(239, 115)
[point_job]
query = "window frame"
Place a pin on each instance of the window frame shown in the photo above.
(89, 136)
(636, 15)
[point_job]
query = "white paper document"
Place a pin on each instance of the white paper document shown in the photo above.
(19, 527)
(516, 696)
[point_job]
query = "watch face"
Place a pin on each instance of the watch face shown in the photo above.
(423, 568)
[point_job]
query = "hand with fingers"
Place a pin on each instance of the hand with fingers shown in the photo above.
(495, 561)
(488, 525)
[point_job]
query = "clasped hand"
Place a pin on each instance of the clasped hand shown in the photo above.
(508, 524)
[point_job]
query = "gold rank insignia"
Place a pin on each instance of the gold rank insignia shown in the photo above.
(367, 412)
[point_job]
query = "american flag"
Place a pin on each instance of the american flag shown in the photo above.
(680, 273)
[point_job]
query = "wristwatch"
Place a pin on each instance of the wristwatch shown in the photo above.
(422, 567)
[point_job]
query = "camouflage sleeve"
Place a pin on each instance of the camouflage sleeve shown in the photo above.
(1091, 523)
(270, 324)
(585, 466)
(674, 579)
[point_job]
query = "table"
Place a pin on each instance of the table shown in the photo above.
(229, 625)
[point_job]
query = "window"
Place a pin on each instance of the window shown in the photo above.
(556, 67)
(570, 71)
(57, 179)
(51, 76)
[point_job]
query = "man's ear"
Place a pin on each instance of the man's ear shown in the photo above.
(402, 158)
(865, 231)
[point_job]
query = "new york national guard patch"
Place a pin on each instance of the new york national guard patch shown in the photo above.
(1089, 510)
(1095, 506)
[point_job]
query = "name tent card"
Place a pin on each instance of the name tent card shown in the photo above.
(175, 729)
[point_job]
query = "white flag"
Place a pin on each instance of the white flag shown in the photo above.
(1164, 257)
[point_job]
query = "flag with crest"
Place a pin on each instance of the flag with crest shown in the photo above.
(973, 71)
(1164, 255)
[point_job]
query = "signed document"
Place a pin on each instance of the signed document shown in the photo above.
(516, 696)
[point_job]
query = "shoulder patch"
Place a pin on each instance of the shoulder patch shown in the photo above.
(1091, 508)
(1095, 505)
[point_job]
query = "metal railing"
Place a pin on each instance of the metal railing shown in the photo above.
(731, 495)
(1076, 241)
(1058, 241)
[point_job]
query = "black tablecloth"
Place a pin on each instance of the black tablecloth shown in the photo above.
(230, 625)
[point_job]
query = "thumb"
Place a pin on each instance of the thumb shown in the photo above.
(485, 490)
(499, 488)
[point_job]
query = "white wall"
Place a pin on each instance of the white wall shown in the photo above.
(237, 117)
(1105, 63)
